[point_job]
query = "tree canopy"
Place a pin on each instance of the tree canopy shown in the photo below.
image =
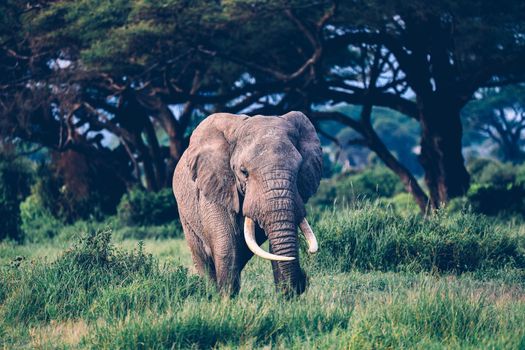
(498, 114)
(124, 81)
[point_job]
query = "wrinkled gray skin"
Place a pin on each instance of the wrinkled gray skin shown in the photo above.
(262, 167)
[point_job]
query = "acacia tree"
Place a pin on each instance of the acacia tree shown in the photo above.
(131, 70)
(437, 55)
(140, 70)
(499, 115)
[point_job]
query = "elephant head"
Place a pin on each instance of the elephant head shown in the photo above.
(264, 169)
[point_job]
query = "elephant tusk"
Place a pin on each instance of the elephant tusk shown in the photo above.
(249, 236)
(313, 247)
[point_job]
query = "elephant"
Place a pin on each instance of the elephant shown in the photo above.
(244, 180)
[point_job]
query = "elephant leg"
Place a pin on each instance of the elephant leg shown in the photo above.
(228, 273)
(201, 259)
(222, 232)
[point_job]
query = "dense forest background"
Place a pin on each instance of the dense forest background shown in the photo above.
(417, 102)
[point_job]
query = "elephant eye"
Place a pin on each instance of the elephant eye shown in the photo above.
(244, 171)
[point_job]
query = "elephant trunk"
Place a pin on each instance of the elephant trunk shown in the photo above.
(282, 234)
(281, 229)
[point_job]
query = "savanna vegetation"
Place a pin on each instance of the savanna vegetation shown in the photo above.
(382, 279)
(385, 277)
(420, 216)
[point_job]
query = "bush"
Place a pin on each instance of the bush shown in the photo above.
(497, 188)
(37, 223)
(492, 172)
(403, 204)
(373, 183)
(371, 237)
(87, 187)
(15, 182)
(497, 200)
(169, 230)
(140, 208)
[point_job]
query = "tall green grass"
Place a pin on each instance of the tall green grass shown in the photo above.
(91, 278)
(380, 281)
(391, 312)
(369, 236)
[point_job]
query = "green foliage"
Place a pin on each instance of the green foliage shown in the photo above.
(95, 295)
(492, 172)
(15, 182)
(436, 311)
(497, 200)
(497, 188)
(68, 189)
(495, 117)
(37, 222)
(371, 237)
(403, 204)
(372, 183)
(82, 281)
(168, 230)
(330, 168)
(147, 208)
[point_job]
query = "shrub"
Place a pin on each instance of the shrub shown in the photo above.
(487, 171)
(142, 208)
(330, 168)
(403, 203)
(15, 182)
(88, 187)
(72, 187)
(37, 223)
(169, 230)
(371, 237)
(373, 183)
(497, 200)
(497, 188)
(476, 166)
(520, 175)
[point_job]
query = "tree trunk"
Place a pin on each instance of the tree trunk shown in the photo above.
(441, 157)
(147, 163)
(175, 132)
(155, 153)
(406, 177)
(372, 141)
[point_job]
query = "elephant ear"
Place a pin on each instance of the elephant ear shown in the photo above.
(310, 148)
(208, 158)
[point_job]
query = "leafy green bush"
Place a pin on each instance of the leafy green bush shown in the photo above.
(37, 223)
(15, 182)
(497, 189)
(169, 230)
(91, 269)
(403, 203)
(372, 183)
(497, 200)
(142, 208)
(371, 237)
(492, 172)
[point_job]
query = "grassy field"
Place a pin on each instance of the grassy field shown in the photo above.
(381, 281)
